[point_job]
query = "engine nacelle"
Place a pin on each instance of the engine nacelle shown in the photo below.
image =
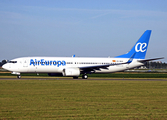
(55, 74)
(71, 72)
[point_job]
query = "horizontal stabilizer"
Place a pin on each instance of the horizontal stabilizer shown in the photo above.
(145, 60)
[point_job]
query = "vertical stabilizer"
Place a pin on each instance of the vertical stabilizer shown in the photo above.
(140, 48)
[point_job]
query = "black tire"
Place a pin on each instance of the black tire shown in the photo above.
(84, 76)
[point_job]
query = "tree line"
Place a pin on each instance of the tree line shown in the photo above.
(156, 65)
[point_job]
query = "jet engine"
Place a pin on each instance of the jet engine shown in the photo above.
(71, 72)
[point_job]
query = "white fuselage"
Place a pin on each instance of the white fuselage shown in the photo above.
(57, 64)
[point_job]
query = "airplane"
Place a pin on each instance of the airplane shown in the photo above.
(75, 66)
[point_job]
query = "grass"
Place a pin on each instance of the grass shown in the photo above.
(82, 99)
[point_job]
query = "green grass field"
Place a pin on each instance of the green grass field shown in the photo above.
(82, 99)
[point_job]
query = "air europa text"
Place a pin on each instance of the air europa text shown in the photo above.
(47, 62)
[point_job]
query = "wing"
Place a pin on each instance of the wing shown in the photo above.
(90, 69)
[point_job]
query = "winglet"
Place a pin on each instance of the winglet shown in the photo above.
(73, 56)
(131, 58)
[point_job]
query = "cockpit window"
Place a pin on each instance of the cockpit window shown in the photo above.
(12, 61)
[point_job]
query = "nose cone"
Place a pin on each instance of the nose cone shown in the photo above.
(5, 66)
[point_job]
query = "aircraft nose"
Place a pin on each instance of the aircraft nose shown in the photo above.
(5, 66)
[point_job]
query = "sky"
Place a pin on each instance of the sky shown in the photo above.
(96, 28)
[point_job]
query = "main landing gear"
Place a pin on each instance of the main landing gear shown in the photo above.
(84, 76)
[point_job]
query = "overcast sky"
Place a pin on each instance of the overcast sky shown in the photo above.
(98, 28)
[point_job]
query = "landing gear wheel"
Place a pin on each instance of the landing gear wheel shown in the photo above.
(19, 76)
(84, 76)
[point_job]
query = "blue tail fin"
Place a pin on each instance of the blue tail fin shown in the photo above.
(140, 48)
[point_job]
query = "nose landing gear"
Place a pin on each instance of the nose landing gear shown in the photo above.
(19, 76)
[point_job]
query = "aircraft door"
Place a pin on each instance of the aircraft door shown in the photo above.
(25, 63)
